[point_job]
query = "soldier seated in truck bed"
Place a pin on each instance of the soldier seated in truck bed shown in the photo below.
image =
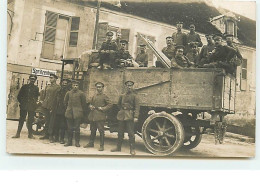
(123, 57)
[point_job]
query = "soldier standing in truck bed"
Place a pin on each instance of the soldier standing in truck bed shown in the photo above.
(179, 38)
(128, 104)
(142, 57)
(206, 51)
(193, 38)
(107, 51)
(27, 98)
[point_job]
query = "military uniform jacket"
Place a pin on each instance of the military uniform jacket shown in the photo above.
(180, 61)
(193, 57)
(49, 97)
(169, 51)
(107, 46)
(179, 38)
(121, 54)
(28, 96)
(99, 100)
(60, 106)
(76, 104)
(205, 51)
(222, 53)
(194, 37)
(142, 59)
(128, 104)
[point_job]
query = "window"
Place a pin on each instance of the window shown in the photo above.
(230, 27)
(56, 34)
(243, 82)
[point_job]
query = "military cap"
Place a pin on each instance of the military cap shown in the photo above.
(129, 82)
(217, 35)
(124, 41)
(179, 47)
(53, 75)
(33, 76)
(169, 37)
(75, 82)
(179, 22)
(192, 25)
(109, 33)
(142, 45)
(99, 83)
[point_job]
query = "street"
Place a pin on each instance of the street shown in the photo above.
(206, 149)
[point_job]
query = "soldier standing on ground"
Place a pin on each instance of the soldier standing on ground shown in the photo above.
(27, 98)
(107, 51)
(142, 57)
(75, 101)
(206, 51)
(60, 124)
(127, 116)
(99, 105)
(48, 105)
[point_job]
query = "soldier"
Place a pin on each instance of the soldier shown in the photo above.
(122, 55)
(193, 54)
(221, 56)
(99, 105)
(48, 105)
(180, 60)
(169, 50)
(107, 51)
(142, 57)
(128, 115)
(27, 98)
(193, 38)
(75, 101)
(179, 38)
(118, 38)
(60, 124)
(206, 51)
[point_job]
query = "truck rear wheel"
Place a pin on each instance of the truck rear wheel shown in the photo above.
(163, 134)
(193, 137)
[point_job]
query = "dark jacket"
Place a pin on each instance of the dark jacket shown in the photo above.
(76, 104)
(128, 104)
(28, 96)
(108, 57)
(50, 94)
(179, 38)
(99, 100)
(60, 107)
(142, 59)
(169, 51)
(205, 52)
(180, 61)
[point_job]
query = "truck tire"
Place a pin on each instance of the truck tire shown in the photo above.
(163, 134)
(193, 140)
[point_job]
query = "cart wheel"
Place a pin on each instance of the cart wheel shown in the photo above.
(38, 125)
(193, 137)
(162, 133)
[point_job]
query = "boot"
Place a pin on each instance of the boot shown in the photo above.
(77, 138)
(17, 135)
(70, 135)
(62, 133)
(132, 146)
(119, 144)
(102, 135)
(51, 139)
(91, 141)
(30, 136)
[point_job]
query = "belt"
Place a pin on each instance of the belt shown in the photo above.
(126, 108)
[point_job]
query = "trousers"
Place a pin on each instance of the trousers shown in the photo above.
(23, 114)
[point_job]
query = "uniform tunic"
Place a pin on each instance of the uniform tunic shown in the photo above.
(142, 59)
(50, 96)
(194, 37)
(179, 38)
(28, 96)
(122, 54)
(107, 57)
(193, 57)
(169, 51)
(205, 52)
(180, 61)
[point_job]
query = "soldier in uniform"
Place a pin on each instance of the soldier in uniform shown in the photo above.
(60, 124)
(99, 105)
(206, 51)
(49, 97)
(118, 38)
(122, 54)
(128, 115)
(75, 101)
(193, 38)
(107, 51)
(221, 56)
(180, 60)
(193, 54)
(169, 50)
(142, 57)
(179, 38)
(27, 98)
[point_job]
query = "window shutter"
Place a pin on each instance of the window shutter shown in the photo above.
(101, 36)
(49, 35)
(74, 31)
(243, 83)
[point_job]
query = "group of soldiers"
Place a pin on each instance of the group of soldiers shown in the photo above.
(65, 107)
(183, 50)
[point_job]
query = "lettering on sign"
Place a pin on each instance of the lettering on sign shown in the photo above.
(42, 72)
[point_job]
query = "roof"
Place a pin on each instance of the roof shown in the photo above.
(198, 13)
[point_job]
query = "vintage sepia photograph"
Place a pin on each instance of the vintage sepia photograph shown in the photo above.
(136, 78)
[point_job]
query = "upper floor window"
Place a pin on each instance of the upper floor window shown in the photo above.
(243, 78)
(60, 31)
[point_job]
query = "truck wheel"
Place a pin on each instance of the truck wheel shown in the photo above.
(162, 133)
(192, 137)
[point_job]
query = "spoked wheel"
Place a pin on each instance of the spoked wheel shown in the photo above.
(193, 137)
(162, 133)
(38, 125)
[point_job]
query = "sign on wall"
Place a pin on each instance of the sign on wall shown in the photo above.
(42, 72)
